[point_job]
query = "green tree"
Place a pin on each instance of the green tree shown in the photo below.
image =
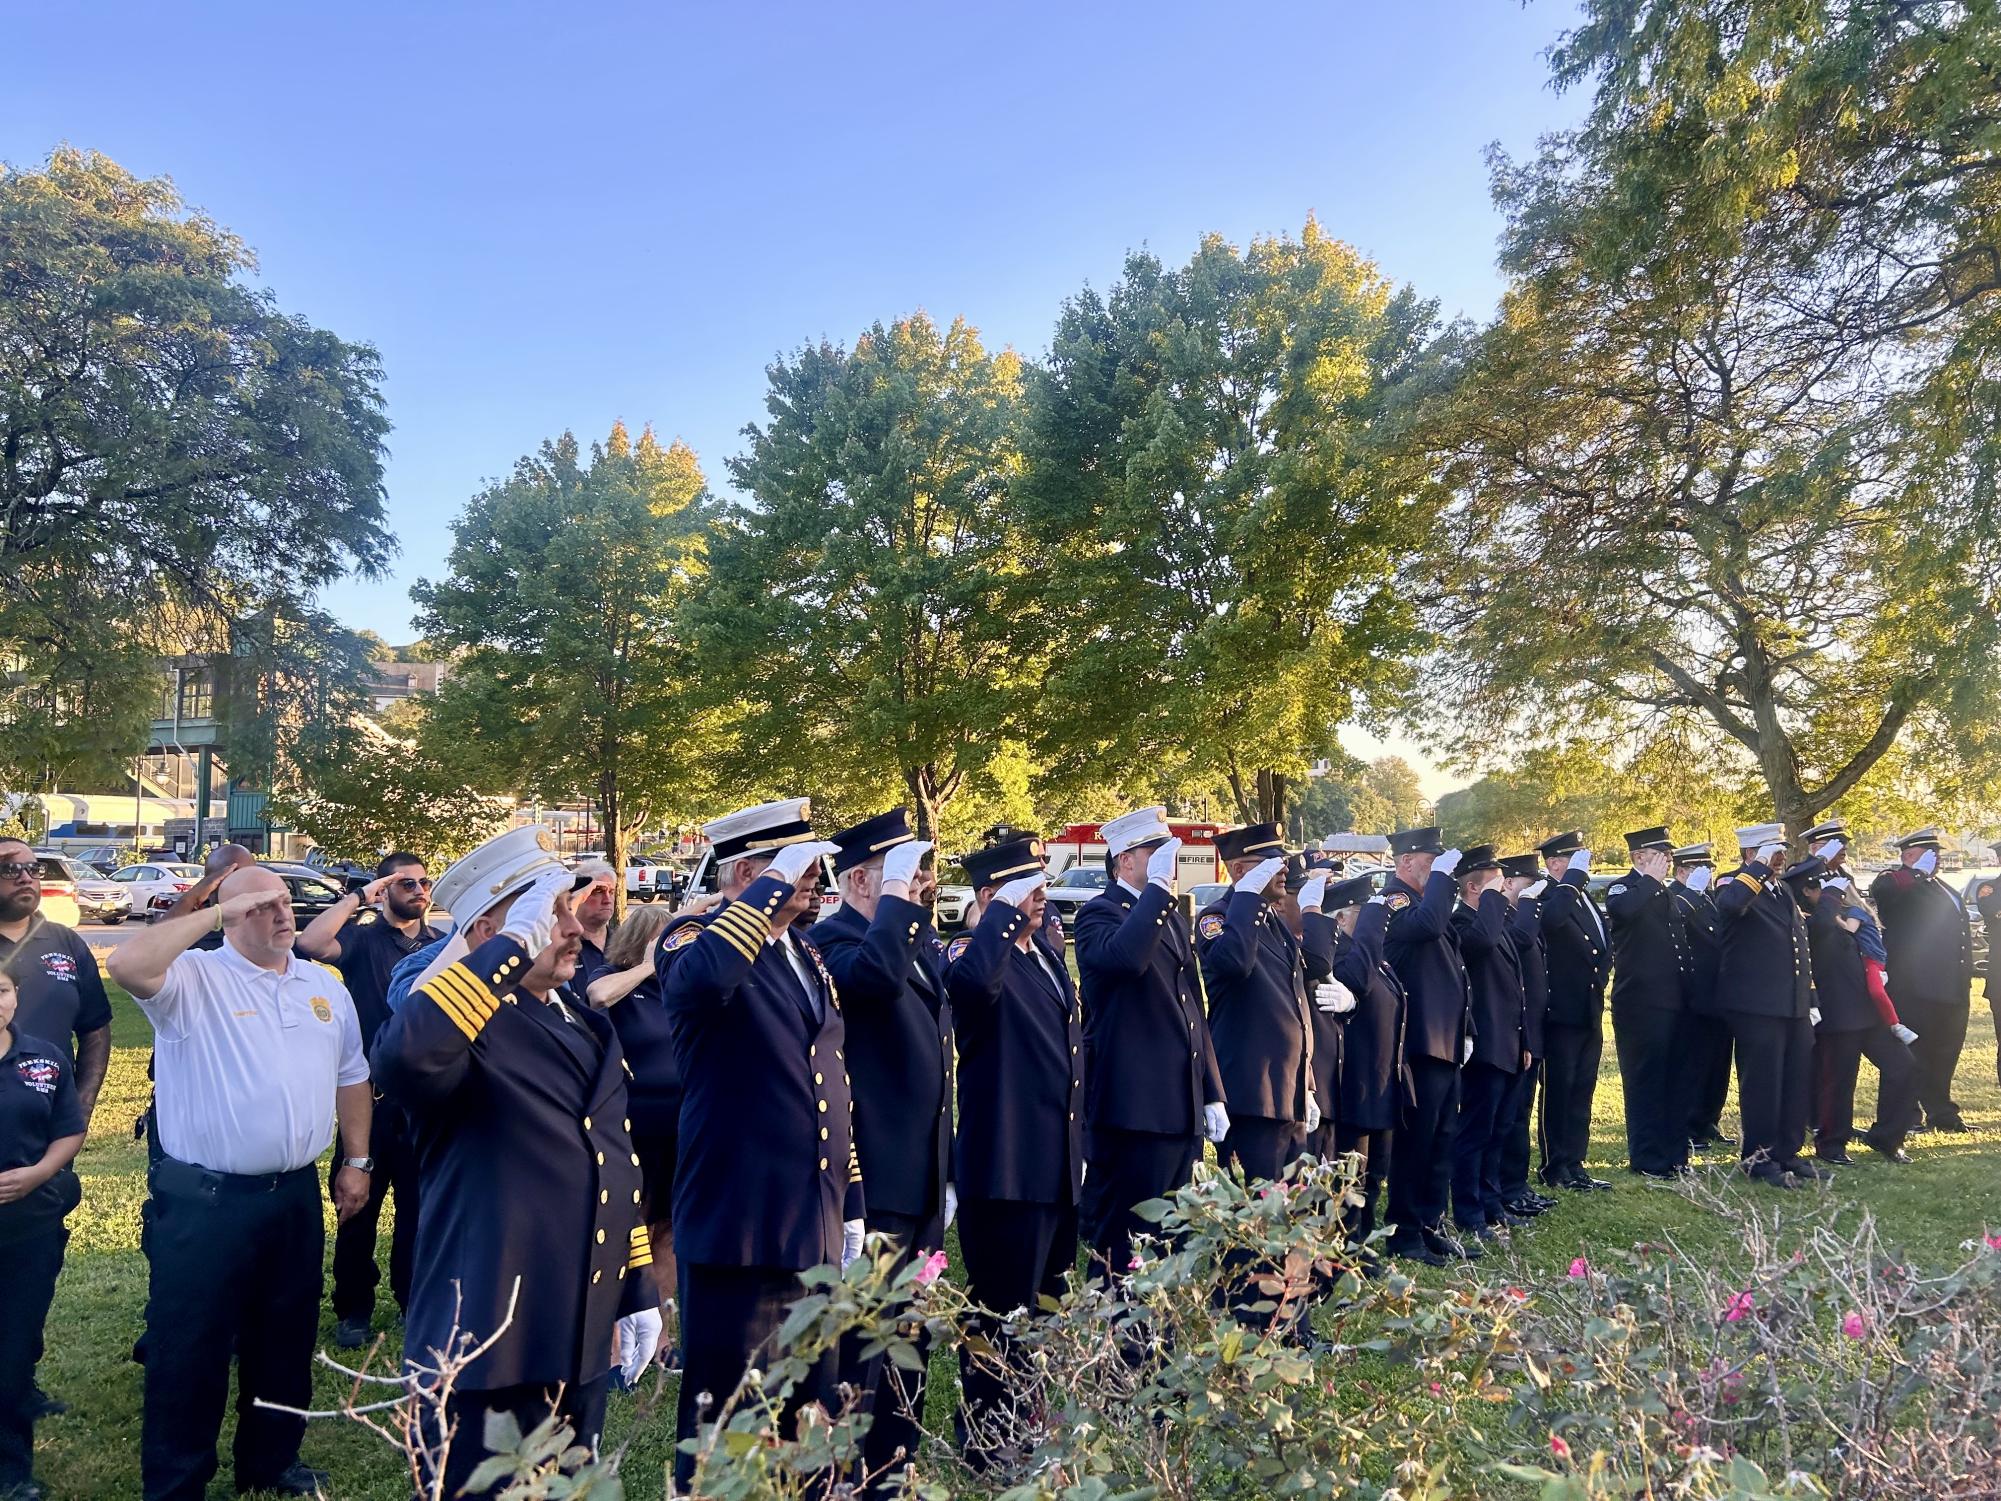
(1213, 479)
(382, 794)
(569, 679)
(1726, 482)
(862, 608)
(173, 447)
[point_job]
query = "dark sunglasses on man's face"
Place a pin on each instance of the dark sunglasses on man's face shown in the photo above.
(14, 870)
(412, 883)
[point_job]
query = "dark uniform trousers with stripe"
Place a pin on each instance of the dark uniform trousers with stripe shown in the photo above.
(530, 1188)
(768, 1170)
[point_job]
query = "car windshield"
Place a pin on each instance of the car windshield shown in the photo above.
(1077, 875)
(192, 872)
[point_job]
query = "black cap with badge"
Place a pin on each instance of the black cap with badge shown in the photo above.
(1417, 842)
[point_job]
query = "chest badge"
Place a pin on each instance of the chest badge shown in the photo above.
(321, 1009)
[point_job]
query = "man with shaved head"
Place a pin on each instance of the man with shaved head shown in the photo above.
(256, 1053)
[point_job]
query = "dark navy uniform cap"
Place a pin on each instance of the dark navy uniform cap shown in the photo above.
(1327, 860)
(1000, 863)
(1259, 840)
(1561, 844)
(1520, 865)
(1694, 854)
(1417, 842)
(1349, 893)
(870, 838)
(1478, 857)
(1649, 839)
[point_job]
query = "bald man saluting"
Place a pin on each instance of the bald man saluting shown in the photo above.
(256, 1054)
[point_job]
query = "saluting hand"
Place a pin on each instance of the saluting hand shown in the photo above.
(1261, 875)
(1163, 865)
(1017, 892)
(901, 863)
(794, 860)
(1313, 893)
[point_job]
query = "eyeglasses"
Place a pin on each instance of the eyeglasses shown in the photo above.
(412, 883)
(14, 870)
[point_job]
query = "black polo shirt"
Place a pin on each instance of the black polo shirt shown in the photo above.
(62, 993)
(38, 1105)
(370, 949)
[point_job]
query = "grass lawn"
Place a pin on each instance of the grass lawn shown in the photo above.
(1929, 1209)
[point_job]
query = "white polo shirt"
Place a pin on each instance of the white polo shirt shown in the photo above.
(246, 1061)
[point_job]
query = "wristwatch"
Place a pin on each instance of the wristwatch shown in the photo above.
(365, 1164)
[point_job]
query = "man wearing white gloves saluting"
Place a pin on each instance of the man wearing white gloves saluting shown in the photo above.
(525, 1165)
(1259, 1014)
(1153, 1091)
(1579, 960)
(888, 969)
(768, 1183)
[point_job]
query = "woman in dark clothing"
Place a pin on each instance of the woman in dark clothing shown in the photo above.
(41, 1129)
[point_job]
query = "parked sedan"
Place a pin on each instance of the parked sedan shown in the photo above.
(59, 903)
(98, 898)
(156, 885)
(312, 891)
(1076, 886)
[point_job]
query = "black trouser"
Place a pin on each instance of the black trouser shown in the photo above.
(1516, 1127)
(728, 1317)
(1569, 1080)
(1016, 1253)
(236, 1266)
(1476, 1148)
(354, 1270)
(1654, 1073)
(1774, 1083)
(1373, 1146)
(581, 1404)
(894, 1396)
(28, 1271)
(1128, 1168)
(1421, 1154)
(1705, 1044)
(1941, 1030)
(1262, 1146)
(1837, 1058)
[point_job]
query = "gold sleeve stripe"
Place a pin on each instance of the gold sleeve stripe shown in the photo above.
(743, 946)
(460, 1018)
(475, 999)
(740, 919)
(640, 1252)
(1752, 881)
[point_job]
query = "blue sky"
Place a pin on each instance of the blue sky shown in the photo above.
(549, 220)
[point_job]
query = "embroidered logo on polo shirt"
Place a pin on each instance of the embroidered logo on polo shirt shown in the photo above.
(60, 967)
(39, 1074)
(321, 1009)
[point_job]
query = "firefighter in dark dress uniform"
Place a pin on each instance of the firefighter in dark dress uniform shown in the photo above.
(1579, 958)
(1931, 968)
(1494, 974)
(1764, 989)
(1152, 1088)
(888, 969)
(1019, 1157)
(1850, 1029)
(1651, 964)
(1422, 949)
(1259, 1018)
(1705, 1043)
(1307, 875)
(1523, 885)
(1374, 1082)
(524, 1159)
(768, 1183)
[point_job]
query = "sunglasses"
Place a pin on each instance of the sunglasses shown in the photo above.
(13, 870)
(412, 883)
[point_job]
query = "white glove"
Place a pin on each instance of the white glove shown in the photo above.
(1699, 878)
(1466, 1052)
(1831, 851)
(1580, 863)
(901, 863)
(1017, 892)
(1927, 862)
(1334, 998)
(1768, 852)
(794, 860)
(638, 1341)
(1313, 893)
(1536, 889)
(531, 921)
(852, 1234)
(1312, 1114)
(1903, 1034)
(1813, 1015)
(1446, 863)
(1163, 864)
(1835, 883)
(1215, 1122)
(1259, 876)
(951, 1204)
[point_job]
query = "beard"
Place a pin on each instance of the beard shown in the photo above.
(16, 904)
(406, 909)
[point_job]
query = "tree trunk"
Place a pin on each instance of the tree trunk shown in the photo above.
(921, 782)
(614, 837)
(1272, 786)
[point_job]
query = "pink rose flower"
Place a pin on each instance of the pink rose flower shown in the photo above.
(1580, 1268)
(1740, 1305)
(1854, 1326)
(935, 1263)
(1516, 1295)
(1558, 1447)
(1993, 1241)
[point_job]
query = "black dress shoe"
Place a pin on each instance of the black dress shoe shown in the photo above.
(1799, 1167)
(1953, 1124)
(1583, 1182)
(300, 1480)
(1714, 1141)
(1653, 1174)
(1510, 1220)
(1883, 1147)
(352, 1334)
(1772, 1175)
(1448, 1246)
(42, 1405)
(1525, 1209)
(1416, 1250)
(1546, 1201)
(1834, 1158)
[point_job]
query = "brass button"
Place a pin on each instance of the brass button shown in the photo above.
(621, 1274)
(823, 1106)
(594, 1278)
(600, 1159)
(635, 1196)
(600, 1237)
(635, 1159)
(823, 1164)
(813, 1052)
(587, 1123)
(819, 1079)
(823, 1133)
(604, 1196)
(628, 1123)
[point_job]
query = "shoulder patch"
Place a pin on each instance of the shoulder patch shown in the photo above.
(1616, 890)
(1396, 901)
(958, 946)
(365, 918)
(680, 938)
(1210, 925)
